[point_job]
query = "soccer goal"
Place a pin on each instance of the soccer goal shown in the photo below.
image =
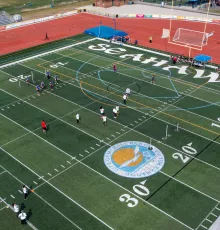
(191, 38)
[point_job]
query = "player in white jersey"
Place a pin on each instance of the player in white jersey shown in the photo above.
(125, 98)
(117, 108)
(102, 111)
(128, 92)
(115, 113)
(104, 119)
(77, 118)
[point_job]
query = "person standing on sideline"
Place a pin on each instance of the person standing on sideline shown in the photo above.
(44, 126)
(125, 98)
(150, 39)
(46, 37)
(104, 119)
(77, 118)
(25, 192)
(15, 208)
(22, 216)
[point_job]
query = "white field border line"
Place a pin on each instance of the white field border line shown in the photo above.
(151, 116)
(51, 61)
(42, 200)
(207, 216)
(114, 140)
(123, 126)
(48, 52)
(51, 116)
(8, 205)
(102, 176)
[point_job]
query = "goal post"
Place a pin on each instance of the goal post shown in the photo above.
(190, 38)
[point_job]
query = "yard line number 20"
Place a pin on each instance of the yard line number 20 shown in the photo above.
(140, 190)
(186, 149)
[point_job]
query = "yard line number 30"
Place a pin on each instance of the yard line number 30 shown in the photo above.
(140, 190)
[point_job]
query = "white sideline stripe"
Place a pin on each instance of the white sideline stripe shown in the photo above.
(35, 182)
(86, 151)
(92, 148)
(8, 205)
(218, 208)
(204, 226)
(20, 191)
(56, 170)
(2, 172)
(12, 196)
(43, 201)
(75, 202)
(49, 174)
(62, 166)
(81, 155)
(48, 52)
(214, 215)
(98, 145)
(68, 162)
(145, 49)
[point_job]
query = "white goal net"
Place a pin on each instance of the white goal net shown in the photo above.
(191, 37)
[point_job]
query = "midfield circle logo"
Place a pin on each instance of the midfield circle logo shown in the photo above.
(134, 159)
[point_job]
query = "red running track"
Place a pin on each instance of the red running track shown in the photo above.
(140, 29)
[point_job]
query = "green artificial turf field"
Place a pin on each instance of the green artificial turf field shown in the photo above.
(154, 167)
